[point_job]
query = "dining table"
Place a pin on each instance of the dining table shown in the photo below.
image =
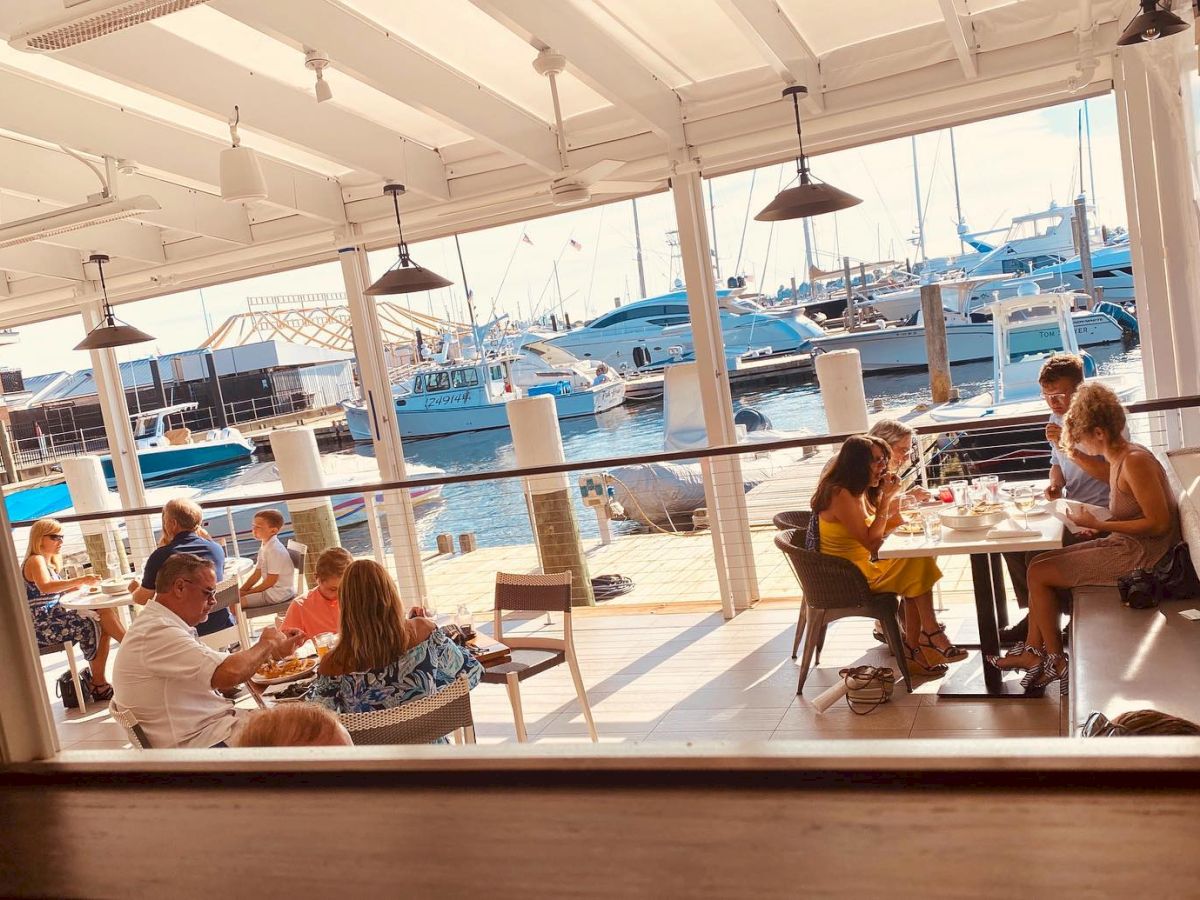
(973, 677)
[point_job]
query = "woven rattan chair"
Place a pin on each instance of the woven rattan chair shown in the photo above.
(797, 519)
(535, 593)
(834, 588)
(420, 721)
(133, 729)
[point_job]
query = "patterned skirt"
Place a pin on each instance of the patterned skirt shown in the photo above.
(53, 624)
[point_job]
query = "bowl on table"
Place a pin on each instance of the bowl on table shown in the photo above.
(977, 519)
(114, 586)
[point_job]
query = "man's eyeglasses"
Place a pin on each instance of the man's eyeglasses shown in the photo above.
(1099, 725)
(211, 593)
(1056, 398)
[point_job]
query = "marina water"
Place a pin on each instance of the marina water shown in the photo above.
(495, 510)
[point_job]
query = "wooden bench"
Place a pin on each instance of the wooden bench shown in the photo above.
(1125, 659)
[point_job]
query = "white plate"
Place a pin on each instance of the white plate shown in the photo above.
(295, 676)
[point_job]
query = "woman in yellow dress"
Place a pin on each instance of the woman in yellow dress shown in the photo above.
(856, 504)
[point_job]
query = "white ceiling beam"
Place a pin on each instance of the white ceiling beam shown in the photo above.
(955, 14)
(161, 63)
(89, 125)
(596, 58)
(780, 44)
(41, 174)
(128, 240)
(365, 51)
(43, 259)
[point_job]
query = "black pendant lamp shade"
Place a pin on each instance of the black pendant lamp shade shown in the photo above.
(810, 197)
(405, 277)
(1154, 21)
(111, 332)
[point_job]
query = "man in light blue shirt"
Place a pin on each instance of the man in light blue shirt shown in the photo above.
(1074, 475)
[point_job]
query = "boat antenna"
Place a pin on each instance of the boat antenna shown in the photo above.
(1087, 124)
(470, 300)
(962, 247)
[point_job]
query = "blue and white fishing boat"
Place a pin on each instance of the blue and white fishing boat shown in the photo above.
(166, 447)
(453, 397)
(658, 330)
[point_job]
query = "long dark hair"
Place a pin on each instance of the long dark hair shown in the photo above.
(851, 470)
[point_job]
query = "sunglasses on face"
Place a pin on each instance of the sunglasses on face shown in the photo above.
(1056, 398)
(57, 538)
(211, 593)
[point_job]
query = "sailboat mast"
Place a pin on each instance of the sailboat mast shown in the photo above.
(637, 239)
(470, 302)
(962, 247)
(917, 188)
(1087, 124)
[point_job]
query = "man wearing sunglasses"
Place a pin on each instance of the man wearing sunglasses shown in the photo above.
(169, 679)
(1072, 474)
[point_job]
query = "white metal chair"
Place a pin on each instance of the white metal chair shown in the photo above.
(127, 720)
(535, 593)
(68, 647)
(298, 552)
(420, 721)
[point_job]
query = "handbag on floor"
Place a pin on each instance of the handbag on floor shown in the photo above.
(65, 688)
(868, 687)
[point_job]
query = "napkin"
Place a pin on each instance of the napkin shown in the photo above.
(1010, 529)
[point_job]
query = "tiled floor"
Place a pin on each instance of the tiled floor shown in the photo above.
(690, 676)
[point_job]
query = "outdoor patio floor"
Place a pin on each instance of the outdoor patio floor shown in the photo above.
(684, 674)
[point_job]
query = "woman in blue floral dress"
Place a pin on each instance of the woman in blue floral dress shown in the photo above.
(52, 623)
(384, 658)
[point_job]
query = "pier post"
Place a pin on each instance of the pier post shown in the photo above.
(724, 491)
(537, 441)
(1155, 123)
(313, 522)
(385, 432)
(937, 351)
(851, 312)
(114, 409)
(1085, 247)
(6, 451)
(839, 375)
(89, 494)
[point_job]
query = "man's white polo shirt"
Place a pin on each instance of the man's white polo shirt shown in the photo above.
(163, 675)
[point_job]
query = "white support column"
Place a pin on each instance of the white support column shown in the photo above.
(723, 491)
(1158, 154)
(110, 391)
(385, 433)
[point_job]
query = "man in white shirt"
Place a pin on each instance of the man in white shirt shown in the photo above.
(169, 680)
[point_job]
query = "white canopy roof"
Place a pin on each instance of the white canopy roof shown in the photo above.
(443, 97)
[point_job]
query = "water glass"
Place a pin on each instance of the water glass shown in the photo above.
(991, 487)
(959, 489)
(931, 523)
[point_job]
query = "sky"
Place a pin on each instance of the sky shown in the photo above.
(1006, 167)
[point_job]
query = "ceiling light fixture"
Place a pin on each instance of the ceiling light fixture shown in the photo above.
(1154, 21)
(73, 218)
(810, 197)
(96, 18)
(241, 173)
(317, 61)
(109, 333)
(405, 277)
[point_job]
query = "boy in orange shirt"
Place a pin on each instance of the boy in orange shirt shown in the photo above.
(317, 611)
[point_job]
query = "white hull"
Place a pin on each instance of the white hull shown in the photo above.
(1126, 387)
(904, 347)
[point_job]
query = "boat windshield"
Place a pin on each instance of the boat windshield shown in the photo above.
(1033, 227)
(144, 428)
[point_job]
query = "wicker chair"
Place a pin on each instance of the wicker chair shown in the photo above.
(420, 721)
(834, 588)
(133, 729)
(797, 519)
(535, 593)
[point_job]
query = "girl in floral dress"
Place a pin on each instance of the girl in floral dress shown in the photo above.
(384, 658)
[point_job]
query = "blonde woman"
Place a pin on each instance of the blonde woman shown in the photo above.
(383, 656)
(293, 725)
(1143, 527)
(52, 624)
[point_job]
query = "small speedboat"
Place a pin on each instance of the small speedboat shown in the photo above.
(166, 447)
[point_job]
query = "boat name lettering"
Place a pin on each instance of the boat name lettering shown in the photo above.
(456, 399)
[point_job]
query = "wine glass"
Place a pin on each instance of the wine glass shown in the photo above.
(1024, 499)
(112, 562)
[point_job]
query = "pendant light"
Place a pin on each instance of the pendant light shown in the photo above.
(810, 197)
(405, 277)
(108, 333)
(1154, 21)
(241, 174)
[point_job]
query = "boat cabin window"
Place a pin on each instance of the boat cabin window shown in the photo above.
(497, 373)
(1033, 227)
(145, 428)
(462, 378)
(437, 381)
(677, 313)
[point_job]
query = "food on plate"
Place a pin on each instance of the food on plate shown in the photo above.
(914, 527)
(284, 668)
(982, 508)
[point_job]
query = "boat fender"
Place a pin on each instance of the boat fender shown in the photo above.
(752, 419)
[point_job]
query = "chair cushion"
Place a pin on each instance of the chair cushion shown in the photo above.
(526, 663)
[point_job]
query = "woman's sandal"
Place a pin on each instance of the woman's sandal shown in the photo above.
(1054, 668)
(102, 692)
(917, 665)
(1004, 663)
(950, 653)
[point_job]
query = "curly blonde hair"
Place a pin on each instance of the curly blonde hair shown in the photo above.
(1093, 406)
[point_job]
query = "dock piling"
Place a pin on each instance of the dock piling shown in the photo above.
(936, 349)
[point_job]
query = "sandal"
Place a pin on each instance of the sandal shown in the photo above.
(1054, 668)
(915, 661)
(102, 693)
(1004, 664)
(949, 653)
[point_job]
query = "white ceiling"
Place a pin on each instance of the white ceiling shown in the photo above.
(443, 97)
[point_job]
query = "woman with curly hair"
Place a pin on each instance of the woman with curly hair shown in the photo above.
(1143, 527)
